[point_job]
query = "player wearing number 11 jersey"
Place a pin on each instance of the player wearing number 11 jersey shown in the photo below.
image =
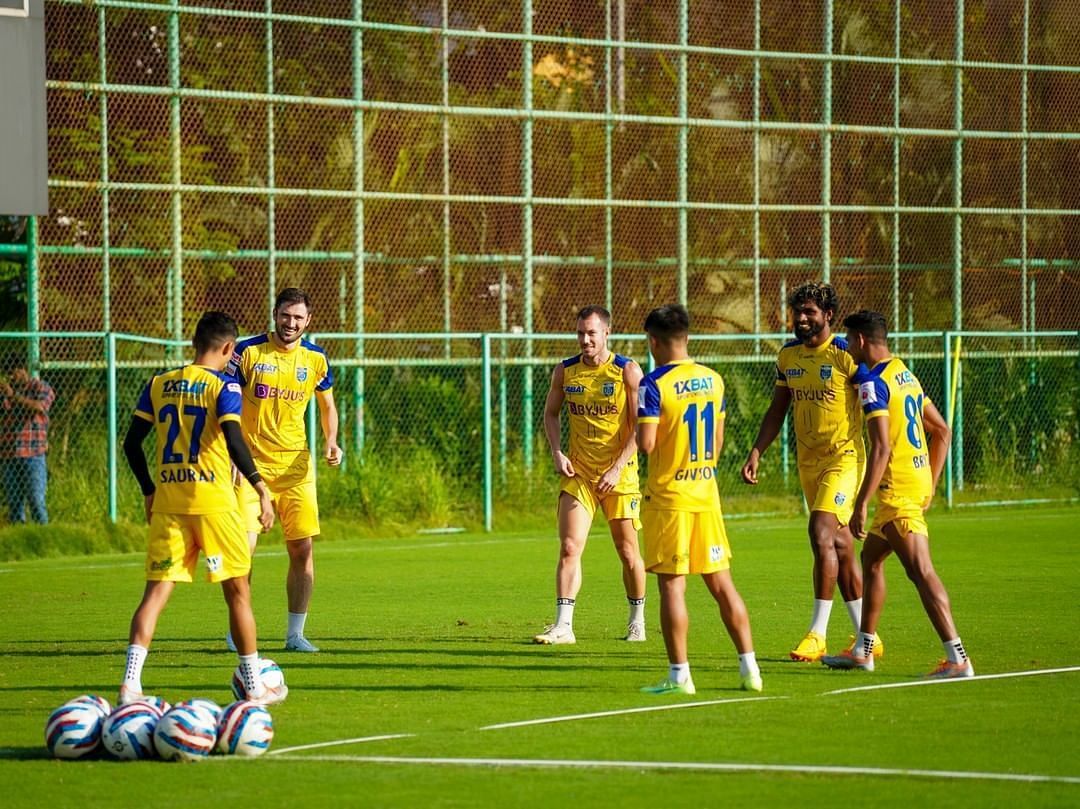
(681, 428)
(908, 443)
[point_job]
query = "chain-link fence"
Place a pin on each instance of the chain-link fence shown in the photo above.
(447, 430)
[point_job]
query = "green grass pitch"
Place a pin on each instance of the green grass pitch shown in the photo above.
(427, 639)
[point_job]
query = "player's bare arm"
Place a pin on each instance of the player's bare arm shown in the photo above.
(552, 413)
(718, 440)
(632, 380)
(877, 461)
(328, 418)
(940, 436)
(771, 424)
(646, 437)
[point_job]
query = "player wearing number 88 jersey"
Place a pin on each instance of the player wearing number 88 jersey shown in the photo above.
(908, 443)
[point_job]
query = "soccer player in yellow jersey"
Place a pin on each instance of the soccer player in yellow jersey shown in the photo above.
(599, 389)
(813, 379)
(279, 372)
(191, 504)
(908, 443)
(681, 428)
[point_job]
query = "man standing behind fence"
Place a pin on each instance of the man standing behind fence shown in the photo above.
(813, 378)
(279, 373)
(24, 440)
(600, 390)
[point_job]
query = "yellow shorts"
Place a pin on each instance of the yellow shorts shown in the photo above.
(176, 539)
(685, 542)
(907, 517)
(297, 507)
(615, 505)
(831, 486)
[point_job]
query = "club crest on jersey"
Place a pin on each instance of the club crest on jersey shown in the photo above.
(301, 374)
(840, 498)
(609, 388)
(826, 372)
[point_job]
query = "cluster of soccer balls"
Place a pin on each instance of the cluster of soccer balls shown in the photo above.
(151, 728)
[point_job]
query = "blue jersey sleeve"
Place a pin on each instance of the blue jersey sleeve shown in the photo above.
(873, 391)
(145, 405)
(228, 401)
(648, 399)
(327, 381)
(234, 368)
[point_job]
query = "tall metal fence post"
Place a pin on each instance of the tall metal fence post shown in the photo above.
(527, 228)
(946, 392)
(176, 327)
(33, 298)
(485, 386)
(359, 247)
(111, 403)
(826, 144)
(683, 149)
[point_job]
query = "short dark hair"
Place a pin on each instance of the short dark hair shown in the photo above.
(292, 295)
(816, 292)
(667, 323)
(871, 325)
(595, 309)
(214, 330)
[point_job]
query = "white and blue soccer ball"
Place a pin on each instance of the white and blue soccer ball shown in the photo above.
(185, 734)
(101, 703)
(128, 732)
(203, 704)
(245, 729)
(73, 730)
(270, 674)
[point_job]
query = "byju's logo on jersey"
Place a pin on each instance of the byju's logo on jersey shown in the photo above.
(301, 374)
(826, 372)
(609, 388)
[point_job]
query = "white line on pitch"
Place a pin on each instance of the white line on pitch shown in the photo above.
(358, 740)
(954, 680)
(705, 766)
(672, 707)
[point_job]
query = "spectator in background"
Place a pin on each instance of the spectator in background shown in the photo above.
(24, 439)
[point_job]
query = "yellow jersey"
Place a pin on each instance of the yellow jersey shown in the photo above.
(277, 386)
(890, 389)
(595, 398)
(187, 407)
(825, 409)
(685, 400)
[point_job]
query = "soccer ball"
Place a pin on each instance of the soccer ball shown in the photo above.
(73, 730)
(162, 706)
(245, 729)
(203, 704)
(101, 703)
(128, 733)
(269, 672)
(185, 734)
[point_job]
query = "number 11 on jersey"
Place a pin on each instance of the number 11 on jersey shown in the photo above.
(690, 418)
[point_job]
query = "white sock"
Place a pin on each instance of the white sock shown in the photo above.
(864, 644)
(854, 609)
(564, 611)
(637, 610)
(136, 656)
(819, 619)
(954, 650)
(249, 673)
(296, 624)
(679, 672)
(748, 664)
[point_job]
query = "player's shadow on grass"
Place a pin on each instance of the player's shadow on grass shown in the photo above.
(23, 753)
